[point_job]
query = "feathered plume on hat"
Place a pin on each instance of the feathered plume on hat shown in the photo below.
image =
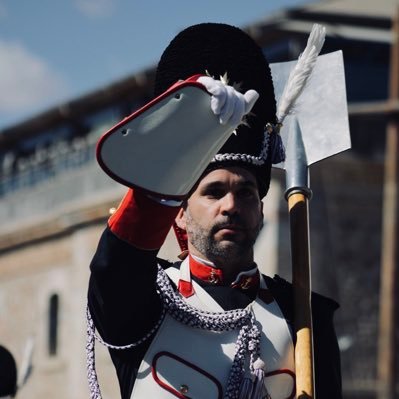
(224, 51)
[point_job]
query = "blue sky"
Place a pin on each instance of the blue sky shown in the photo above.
(52, 51)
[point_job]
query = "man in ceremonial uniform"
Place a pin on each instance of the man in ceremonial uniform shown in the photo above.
(209, 326)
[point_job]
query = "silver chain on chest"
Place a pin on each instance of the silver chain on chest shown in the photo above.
(247, 344)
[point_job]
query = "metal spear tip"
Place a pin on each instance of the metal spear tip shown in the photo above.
(296, 164)
(318, 126)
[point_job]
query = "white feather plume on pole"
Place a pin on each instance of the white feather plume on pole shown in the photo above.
(301, 72)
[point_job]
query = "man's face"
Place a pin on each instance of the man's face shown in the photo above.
(223, 216)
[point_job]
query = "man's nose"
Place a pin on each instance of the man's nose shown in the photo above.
(229, 204)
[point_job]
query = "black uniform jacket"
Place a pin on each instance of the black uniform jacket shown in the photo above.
(125, 306)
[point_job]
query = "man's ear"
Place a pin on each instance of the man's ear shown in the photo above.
(181, 219)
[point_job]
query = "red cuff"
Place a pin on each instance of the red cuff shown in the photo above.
(141, 221)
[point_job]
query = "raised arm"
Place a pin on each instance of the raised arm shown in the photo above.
(122, 295)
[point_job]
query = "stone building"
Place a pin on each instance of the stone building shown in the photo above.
(55, 200)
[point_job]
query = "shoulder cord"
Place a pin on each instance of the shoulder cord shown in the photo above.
(247, 344)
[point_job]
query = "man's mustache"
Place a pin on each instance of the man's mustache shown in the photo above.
(228, 222)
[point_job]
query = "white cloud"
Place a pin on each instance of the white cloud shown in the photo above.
(95, 8)
(26, 80)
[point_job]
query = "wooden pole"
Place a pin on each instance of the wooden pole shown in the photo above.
(299, 227)
(387, 366)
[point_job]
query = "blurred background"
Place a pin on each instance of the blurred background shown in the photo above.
(69, 70)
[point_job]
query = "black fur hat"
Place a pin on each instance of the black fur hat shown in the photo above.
(220, 49)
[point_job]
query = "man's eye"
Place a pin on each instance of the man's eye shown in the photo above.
(215, 193)
(246, 193)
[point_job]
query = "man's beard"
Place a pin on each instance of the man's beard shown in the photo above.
(227, 250)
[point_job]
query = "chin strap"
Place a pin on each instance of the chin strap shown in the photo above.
(181, 237)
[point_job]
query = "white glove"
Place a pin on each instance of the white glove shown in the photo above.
(226, 102)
